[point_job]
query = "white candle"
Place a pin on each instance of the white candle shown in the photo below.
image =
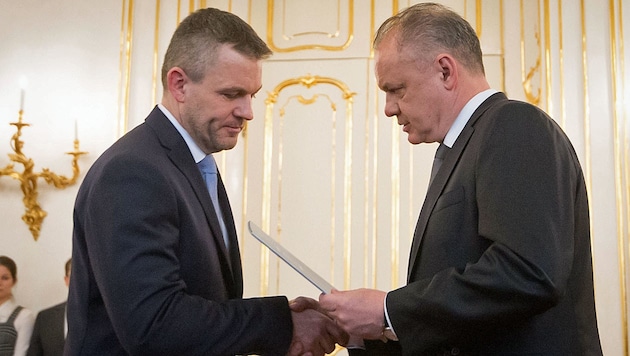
(23, 83)
(76, 130)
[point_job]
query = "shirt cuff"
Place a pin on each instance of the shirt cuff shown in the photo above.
(387, 320)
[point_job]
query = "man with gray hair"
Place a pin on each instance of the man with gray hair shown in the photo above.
(500, 262)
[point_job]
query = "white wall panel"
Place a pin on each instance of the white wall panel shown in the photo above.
(99, 63)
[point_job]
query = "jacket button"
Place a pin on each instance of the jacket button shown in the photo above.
(454, 351)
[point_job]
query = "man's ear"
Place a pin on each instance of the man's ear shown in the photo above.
(449, 68)
(176, 80)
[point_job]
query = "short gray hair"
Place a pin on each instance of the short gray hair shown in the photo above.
(429, 28)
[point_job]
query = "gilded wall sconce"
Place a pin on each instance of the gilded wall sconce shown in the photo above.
(34, 214)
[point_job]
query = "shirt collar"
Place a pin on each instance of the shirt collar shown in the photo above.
(464, 116)
(196, 152)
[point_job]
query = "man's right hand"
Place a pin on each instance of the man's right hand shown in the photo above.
(314, 333)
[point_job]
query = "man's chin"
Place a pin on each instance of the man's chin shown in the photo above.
(228, 144)
(413, 140)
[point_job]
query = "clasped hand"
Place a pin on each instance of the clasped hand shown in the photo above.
(360, 312)
(314, 332)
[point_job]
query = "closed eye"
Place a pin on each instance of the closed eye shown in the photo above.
(391, 90)
(233, 94)
(237, 93)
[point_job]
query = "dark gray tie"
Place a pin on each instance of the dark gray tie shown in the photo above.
(208, 168)
(437, 161)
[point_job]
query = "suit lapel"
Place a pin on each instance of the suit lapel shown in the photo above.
(179, 154)
(434, 192)
(448, 165)
(234, 252)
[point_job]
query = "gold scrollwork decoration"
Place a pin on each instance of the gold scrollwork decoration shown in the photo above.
(528, 76)
(308, 81)
(275, 48)
(34, 214)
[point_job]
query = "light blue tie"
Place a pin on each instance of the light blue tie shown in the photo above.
(208, 168)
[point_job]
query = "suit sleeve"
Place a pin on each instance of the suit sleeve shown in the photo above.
(35, 346)
(522, 199)
(130, 217)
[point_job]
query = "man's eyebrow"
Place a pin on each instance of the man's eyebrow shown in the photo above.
(389, 87)
(239, 90)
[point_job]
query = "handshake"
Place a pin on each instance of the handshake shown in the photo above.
(344, 318)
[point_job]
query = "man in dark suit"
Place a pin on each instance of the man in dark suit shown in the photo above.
(500, 261)
(158, 269)
(49, 332)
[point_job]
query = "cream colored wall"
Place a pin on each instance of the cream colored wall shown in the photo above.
(330, 176)
(68, 52)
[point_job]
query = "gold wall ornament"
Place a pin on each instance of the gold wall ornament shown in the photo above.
(532, 94)
(310, 46)
(34, 215)
(308, 81)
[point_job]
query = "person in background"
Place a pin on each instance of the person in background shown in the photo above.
(49, 333)
(157, 267)
(500, 262)
(16, 322)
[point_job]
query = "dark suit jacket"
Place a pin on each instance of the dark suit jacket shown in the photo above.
(48, 334)
(500, 261)
(150, 271)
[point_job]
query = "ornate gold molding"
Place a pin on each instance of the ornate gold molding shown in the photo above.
(620, 154)
(270, 35)
(548, 67)
(307, 81)
(124, 71)
(528, 76)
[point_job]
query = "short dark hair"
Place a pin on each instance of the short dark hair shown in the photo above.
(10, 265)
(429, 28)
(195, 41)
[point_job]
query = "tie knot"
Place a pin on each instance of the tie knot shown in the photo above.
(208, 165)
(441, 151)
